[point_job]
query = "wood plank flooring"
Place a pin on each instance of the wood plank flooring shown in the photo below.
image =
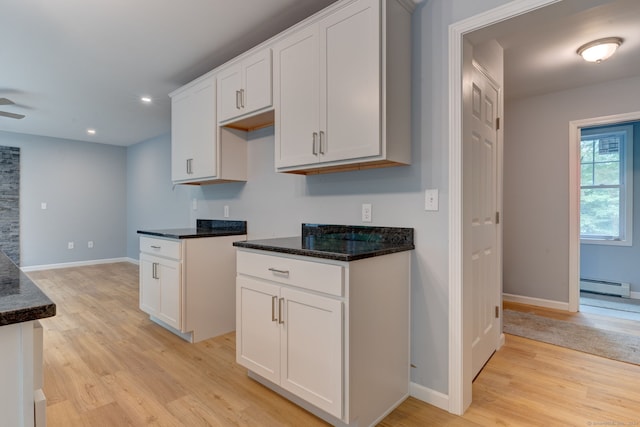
(107, 365)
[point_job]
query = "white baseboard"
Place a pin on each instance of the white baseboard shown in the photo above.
(427, 395)
(634, 295)
(76, 264)
(558, 305)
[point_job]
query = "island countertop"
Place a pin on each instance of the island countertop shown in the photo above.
(21, 300)
(338, 242)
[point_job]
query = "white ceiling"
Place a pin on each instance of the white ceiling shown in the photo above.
(540, 47)
(77, 64)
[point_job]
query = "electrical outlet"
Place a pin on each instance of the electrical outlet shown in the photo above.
(70, 245)
(366, 212)
(431, 200)
(90, 244)
(43, 206)
(226, 211)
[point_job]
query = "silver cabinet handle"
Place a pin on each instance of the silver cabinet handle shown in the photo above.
(154, 270)
(280, 310)
(322, 142)
(155, 247)
(314, 142)
(274, 301)
(238, 100)
(283, 272)
(242, 98)
(189, 166)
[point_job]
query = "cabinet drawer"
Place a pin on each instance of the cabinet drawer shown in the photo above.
(326, 278)
(160, 247)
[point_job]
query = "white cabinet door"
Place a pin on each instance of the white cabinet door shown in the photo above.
(245, 87)
(229, 86)
(193, 133)
(257, 328)
(296, 88)
(257, 84)
(149, 285)
(350, 81)
(170, 310)
(160, 289)
(312, 349)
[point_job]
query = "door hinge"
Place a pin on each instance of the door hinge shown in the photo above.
(497, 123)
(497, 312)
(497, 217)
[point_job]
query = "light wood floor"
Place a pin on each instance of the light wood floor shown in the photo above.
(106, 364)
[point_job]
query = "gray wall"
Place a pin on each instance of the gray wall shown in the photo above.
(536, 182)
(152, 201)
(84, 187)
(618, 263)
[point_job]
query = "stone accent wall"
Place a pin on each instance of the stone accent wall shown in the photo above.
(10, 202)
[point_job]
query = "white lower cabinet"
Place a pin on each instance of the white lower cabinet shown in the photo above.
(187, 285)
(22, 401)
(293, 339)
(331, 336)
(160, 288)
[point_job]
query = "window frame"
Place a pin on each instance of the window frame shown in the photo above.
(626, 212)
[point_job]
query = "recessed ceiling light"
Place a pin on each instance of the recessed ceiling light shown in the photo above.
(599, 50)
(146, 99)
(91, 131)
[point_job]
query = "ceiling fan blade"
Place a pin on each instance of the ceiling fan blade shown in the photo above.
(11, 115)
(6, 101)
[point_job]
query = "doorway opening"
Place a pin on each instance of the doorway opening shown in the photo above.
(609, 166)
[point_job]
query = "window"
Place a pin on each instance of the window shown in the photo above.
(606, 181)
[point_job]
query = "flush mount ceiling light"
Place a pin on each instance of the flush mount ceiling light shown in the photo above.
(91, 131)
(599, 50)
(146, 99)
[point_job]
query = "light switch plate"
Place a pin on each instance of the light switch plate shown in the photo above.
(431, 200)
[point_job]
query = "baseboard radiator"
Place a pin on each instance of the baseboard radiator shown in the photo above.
(605, 288)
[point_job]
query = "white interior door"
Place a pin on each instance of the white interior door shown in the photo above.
(482, 140)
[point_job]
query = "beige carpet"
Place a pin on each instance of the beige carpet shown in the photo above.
(613, 345)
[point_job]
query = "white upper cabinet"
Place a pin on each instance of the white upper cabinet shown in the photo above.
(193, 132)
(342, 90)
(201, 152)
(244, 88)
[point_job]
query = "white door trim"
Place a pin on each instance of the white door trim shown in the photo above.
(460, 377)
(574, 196)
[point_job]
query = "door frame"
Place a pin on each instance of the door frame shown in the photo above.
(460, 371)
(574, 195)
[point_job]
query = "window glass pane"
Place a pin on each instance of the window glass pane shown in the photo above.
(600, 212)
(606, 173)
(586, 174)
(586, 151)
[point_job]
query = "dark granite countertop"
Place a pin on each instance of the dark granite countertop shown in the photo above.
(338, 242)
(21, 300)
(204, 228)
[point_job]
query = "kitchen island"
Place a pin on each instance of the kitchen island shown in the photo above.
(323, 319)
(22, 304)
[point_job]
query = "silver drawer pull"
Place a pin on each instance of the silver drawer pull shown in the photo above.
(156, 247)
(275, 270)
